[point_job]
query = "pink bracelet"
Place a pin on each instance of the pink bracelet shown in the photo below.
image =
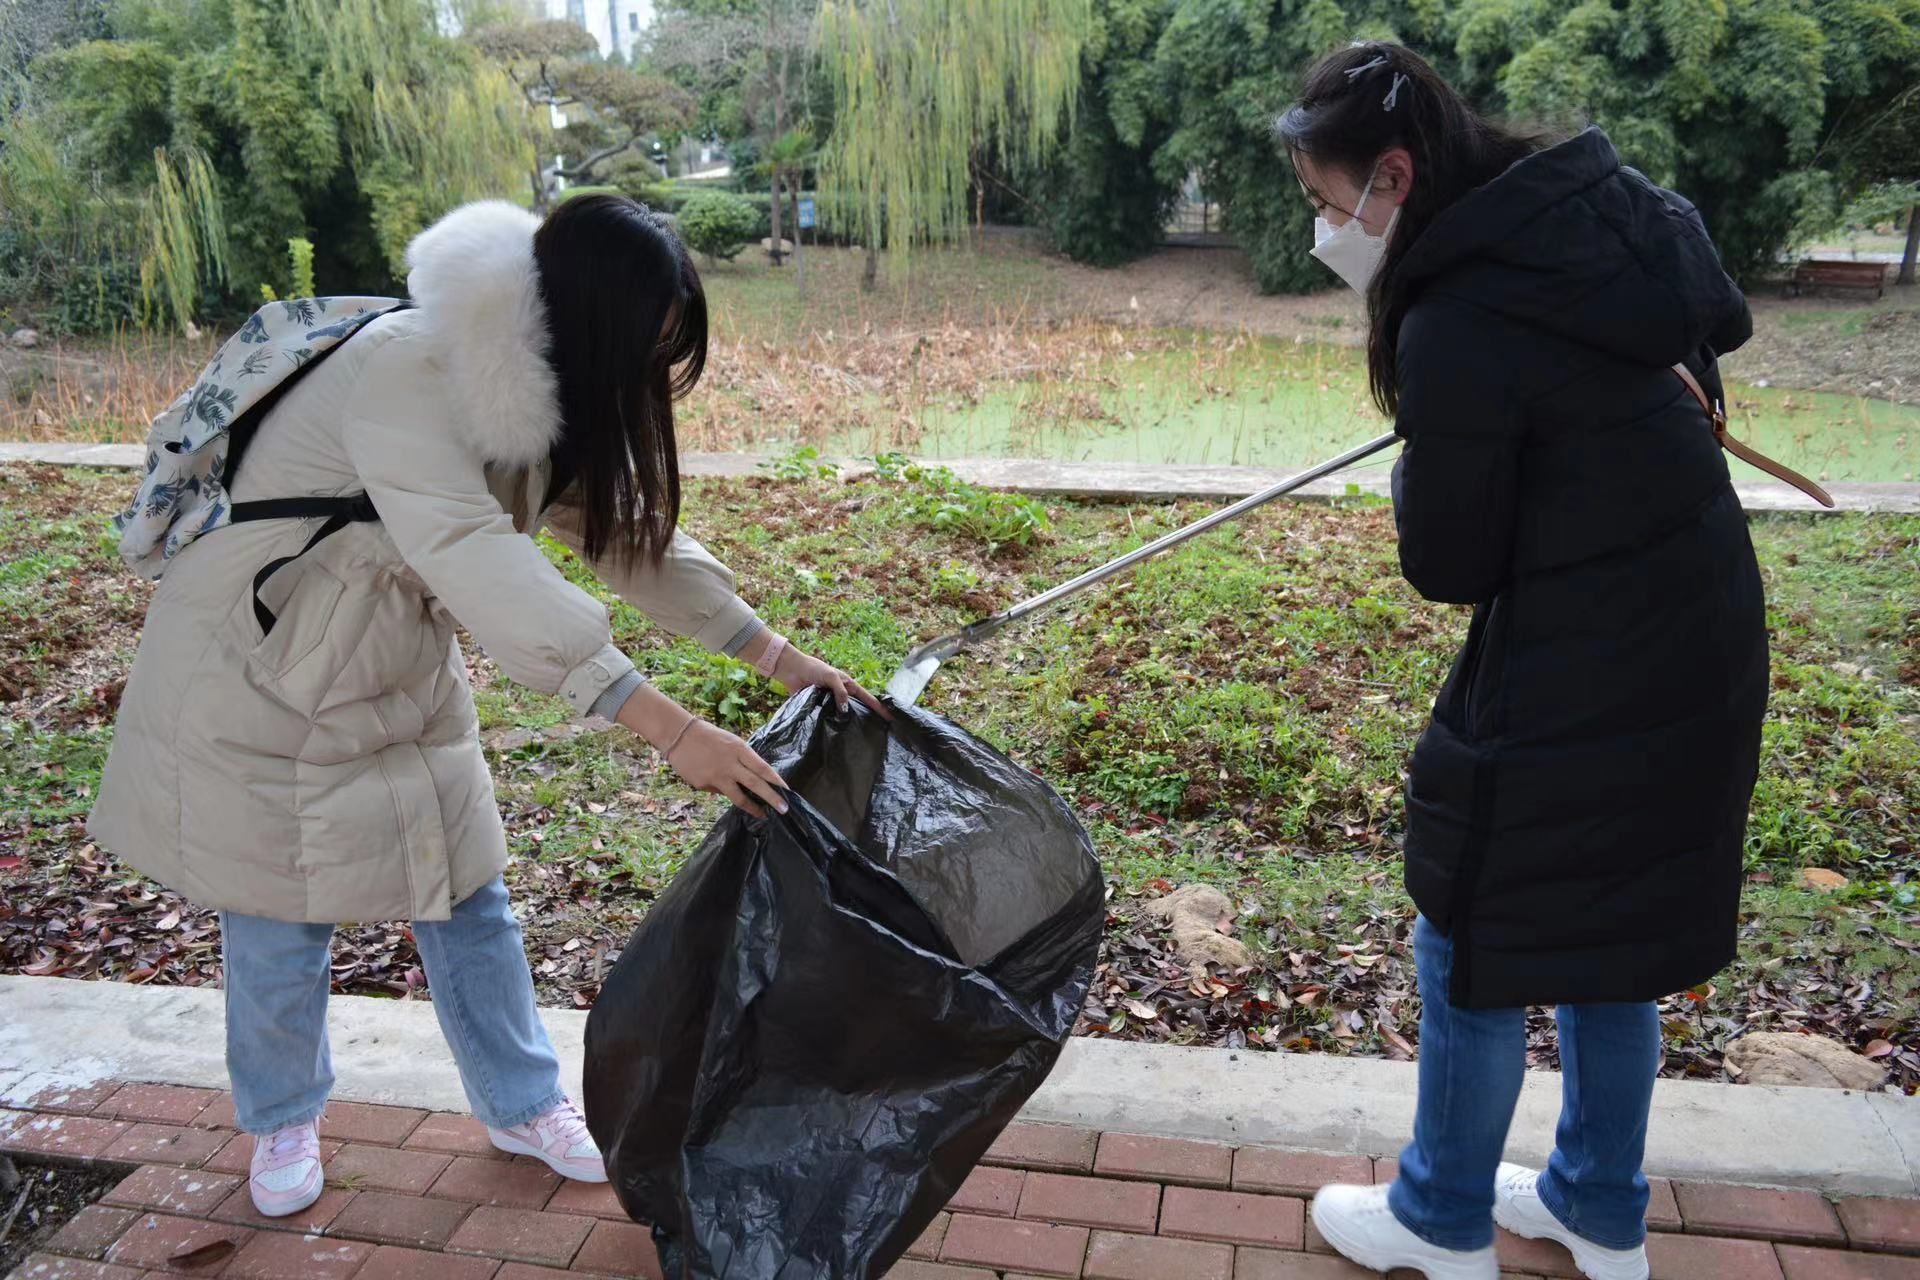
(776, 645)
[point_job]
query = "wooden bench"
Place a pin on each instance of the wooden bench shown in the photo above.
(1817, 273)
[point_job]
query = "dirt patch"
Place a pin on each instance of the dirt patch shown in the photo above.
(39, 1199)
(1206, 288)
(1862, 348)
(1331, 984)
(1339, 978)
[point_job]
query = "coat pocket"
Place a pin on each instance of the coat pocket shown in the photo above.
(353, 655)
(304, 621)
(390, 679)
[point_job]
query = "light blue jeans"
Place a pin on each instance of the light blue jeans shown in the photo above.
(277, 976)
(1472, 1062)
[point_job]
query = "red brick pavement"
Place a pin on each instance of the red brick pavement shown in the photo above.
(416, 1196)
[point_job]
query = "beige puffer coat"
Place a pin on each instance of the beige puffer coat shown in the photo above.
(332, 769)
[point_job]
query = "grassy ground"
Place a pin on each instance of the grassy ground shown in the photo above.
(1237, 714)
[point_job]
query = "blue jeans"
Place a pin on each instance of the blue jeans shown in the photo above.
(277, 976)
(1472, 1062)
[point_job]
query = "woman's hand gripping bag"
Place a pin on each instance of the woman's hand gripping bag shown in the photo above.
(829, 1015)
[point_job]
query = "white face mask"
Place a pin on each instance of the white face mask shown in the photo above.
(1353, 255)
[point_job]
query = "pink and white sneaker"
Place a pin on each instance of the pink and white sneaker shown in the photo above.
(286, 1175)
(558, 1136)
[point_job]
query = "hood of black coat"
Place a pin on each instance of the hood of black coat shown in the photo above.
(1571, 241)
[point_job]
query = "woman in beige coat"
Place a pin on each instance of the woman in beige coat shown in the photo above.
(329, 768)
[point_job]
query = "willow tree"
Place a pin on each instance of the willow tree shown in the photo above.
(75, 255)
(171, 160)
(183, 236)
(427, 122)
(921, 87)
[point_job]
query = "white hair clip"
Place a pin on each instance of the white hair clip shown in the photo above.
(1354, 73)
(1393, 94)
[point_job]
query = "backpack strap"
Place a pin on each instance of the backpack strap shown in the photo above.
(1717, 416)
(339, 513)
(241, 432)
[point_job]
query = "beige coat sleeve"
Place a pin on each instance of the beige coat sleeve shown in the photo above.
(434, 501)
(689, 593)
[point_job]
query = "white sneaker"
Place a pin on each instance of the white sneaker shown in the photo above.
(558, 1136)
(285, 1176)
(1517, 1207)
(1357, 1222)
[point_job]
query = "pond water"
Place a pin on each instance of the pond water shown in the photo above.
(1281, 404)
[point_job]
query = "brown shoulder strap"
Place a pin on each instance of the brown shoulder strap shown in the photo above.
(1718, 417)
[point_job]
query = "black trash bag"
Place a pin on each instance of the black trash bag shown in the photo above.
(829, 1015)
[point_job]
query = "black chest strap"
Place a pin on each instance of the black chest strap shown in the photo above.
(337, 513)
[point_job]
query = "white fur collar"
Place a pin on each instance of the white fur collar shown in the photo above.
(473, 275)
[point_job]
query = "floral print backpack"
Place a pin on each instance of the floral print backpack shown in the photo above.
(194, 447)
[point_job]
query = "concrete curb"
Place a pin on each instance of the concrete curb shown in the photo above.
(67, 1034)
(1094, 481)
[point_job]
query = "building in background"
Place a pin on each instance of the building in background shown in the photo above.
(616, 25)
(700, 158)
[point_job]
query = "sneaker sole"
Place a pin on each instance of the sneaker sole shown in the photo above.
(1361, 1256)
(293, 1207)
(513, 1146)
(1507, 1220)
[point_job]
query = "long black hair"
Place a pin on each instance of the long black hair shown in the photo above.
(1358, 104)
(612, 274)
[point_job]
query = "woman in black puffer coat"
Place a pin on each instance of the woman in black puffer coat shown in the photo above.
(1577, 808)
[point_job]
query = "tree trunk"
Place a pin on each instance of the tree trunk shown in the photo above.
(539, 205)
(1913, 247)
(872, 272)
(773, 218)
(779, 134)
(979, 201)
(799, 263)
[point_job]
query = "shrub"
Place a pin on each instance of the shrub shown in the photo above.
(717, 224)
(650, 192)
(944, 502)
(300, 267)
(802, 463)
(300, 256)
(96, 298)
(716, 687)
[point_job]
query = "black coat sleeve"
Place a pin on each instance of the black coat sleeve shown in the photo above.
(1454, 486)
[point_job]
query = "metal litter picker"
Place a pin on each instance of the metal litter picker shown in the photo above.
(911, 680)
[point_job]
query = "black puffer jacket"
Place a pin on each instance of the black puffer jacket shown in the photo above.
(1577, 809)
